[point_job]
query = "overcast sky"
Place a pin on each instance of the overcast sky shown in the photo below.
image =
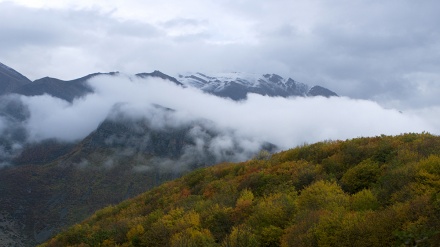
(386, 51)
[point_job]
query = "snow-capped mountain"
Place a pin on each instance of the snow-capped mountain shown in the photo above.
(237, 85)
(234, 85)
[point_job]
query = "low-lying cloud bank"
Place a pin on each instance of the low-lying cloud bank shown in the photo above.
(284, 122)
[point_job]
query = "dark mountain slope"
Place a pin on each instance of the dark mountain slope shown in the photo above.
(43, 152)
(121, 159)
(381, 191)
(69, 90)
(10, 79)
(321, 91)
(66, 90)
(88, 177)
(13, 134)
(159, 74)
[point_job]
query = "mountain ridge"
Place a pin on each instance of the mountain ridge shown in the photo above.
(235, 85)
(10, 79)
(67, 90)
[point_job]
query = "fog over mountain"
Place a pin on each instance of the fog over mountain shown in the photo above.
(68, 111)
(285, 122)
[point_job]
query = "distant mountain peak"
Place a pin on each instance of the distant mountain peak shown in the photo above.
(273, 78)
(237, 85)
(321, 91)
(159, 74)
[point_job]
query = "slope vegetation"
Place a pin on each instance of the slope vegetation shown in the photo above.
(380, 191)
(53, 184)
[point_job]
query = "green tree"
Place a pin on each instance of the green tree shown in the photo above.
(270, 236)
(361, 176)
(241, 236)
(243, 206)
(364, 200)
(192, 237)
(134, 234)
(322, 195)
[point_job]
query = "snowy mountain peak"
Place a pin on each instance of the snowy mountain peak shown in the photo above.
(237, 85)
(274, 78)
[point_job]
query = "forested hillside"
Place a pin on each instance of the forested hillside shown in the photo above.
(380, 191)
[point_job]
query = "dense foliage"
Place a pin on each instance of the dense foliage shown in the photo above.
(381, 191)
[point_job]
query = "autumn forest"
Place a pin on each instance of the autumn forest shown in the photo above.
(379, 191)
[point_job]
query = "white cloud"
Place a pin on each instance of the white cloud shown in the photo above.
(54, 118)
(283, 122)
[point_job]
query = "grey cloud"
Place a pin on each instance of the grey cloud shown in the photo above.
(59, 40)
(50, 27)
(24, 26)
(361, 49)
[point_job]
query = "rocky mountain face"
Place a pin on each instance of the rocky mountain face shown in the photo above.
(237, 85)
(321, 91)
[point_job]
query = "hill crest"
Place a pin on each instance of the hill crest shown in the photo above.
(379, 191)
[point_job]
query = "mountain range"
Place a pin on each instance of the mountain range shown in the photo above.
(237, 85)
(229, 85)
(51, 184)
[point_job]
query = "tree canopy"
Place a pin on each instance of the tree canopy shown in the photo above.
(379, 191)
